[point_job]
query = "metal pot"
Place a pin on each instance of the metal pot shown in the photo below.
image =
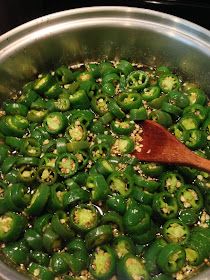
(96, 33)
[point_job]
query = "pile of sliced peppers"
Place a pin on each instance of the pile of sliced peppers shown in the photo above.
(75, 203)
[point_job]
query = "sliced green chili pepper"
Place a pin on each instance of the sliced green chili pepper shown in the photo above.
(102, 263)
(98, 236)
(175, 231)
(122, 127)
(79, 100)
(33, 239)
(196, 96)
(66, 165)
(137, 80)
(99, 187)
(40, 271)
(161, 117)
(39, 200)
(51, 240)
(171, 258)
(171, 181)
(11, 226)
(130, 267)
(61, 225)
(12, 108)
(84, 217)
(123, 245)
(169, 82)
(165, 205)
(128, 101)
(136, 219)
(138, 114)
(55, 122)
(17, 252)
(151, 255)
(46, 175)
(188, 216)
(120, 183)
(190, 197)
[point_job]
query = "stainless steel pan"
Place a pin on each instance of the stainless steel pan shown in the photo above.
(96, 33)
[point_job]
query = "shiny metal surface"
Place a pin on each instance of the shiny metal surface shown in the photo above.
(96, 33)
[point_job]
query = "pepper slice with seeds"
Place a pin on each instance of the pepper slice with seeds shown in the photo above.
(165, 205)
(131, 267)
(120, 183)
(66, 165)
(76, 132)
(102, 264)
(11, 226)
(47, 175)
(98, 186)
(84, 217)
(190, 197)
(55, 122)
(171, 258)
(175, 231)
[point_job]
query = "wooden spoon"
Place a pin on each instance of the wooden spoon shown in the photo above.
(159, 145)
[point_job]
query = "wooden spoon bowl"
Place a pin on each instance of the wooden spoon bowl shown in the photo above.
(159, 145)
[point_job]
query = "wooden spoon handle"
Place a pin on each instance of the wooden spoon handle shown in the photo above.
(198, 162)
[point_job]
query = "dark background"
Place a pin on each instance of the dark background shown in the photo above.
(16, 12)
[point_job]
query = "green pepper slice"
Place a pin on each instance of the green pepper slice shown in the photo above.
(27, 173)
(194, 138)
(120, 183)
(123, 245)
(175, 231)
(40, 271)
(79, 100)
(171, 258)
(196, 96)
(61, 225)
(136, 219)
(116, 203)
(150, 93)
(59, 263)
(137, 80)
(11, 226)
(165, 205)
(102, 263)
(12, 108)
(169, 82)
(55, 122)
(39, 200)
(76, 131)
(30, 147)
(161, 117)
(98, 236)
(151, 255)
(139, 114)
(131, 267)
(46, 175)
(99, 104)
(125, 67)
(190, 197)
(128, 101)
(51, 240)
(17, 252)
(66, 165)
(122, 127)
(84, 217)
(98, 186)
(33, 239)
(42, 84)
(171, 181)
